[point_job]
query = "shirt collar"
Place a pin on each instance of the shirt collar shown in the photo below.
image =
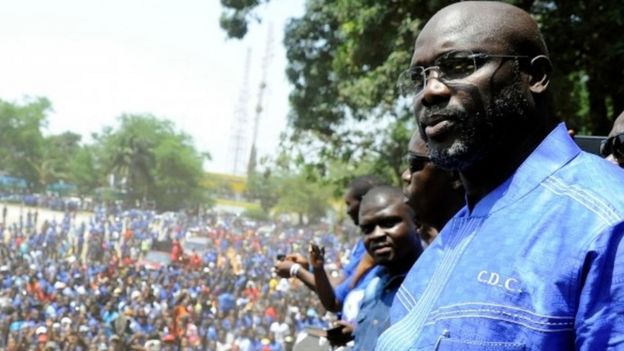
(556, 150)
(386, 278)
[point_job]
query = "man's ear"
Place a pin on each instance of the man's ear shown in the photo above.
(456, 183)
(541, 72)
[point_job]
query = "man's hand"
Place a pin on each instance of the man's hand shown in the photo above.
(317, 256)
(298, 258)
(282, 268)
(340, 334)
(347, 328)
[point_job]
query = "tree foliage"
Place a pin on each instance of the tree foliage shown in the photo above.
(85, 171)
(151, 161)
(147, 157)
(344, 57)
(21, 140)
(263, 188)
(288, 187)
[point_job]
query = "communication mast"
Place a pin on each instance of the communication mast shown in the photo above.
(266, 61)
(239, 136)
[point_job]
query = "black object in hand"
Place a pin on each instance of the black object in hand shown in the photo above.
(280, 257)
(336, 337)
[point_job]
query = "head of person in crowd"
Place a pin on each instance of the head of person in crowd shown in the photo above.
(480, 91)
(435, 194)
(387, 224)
(356, 189)
(612, 148)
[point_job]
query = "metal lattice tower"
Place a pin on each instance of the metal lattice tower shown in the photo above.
(239, 136)
(266, 60)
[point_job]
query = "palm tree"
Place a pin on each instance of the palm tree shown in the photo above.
(132, 162)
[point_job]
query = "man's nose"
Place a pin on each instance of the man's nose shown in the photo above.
(377, 232)
(406, 176)
(434, 90)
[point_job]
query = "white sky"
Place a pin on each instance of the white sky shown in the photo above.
(98, 59)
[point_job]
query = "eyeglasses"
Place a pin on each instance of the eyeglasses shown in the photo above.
(415, 162)
(613, 145)
(451, 66)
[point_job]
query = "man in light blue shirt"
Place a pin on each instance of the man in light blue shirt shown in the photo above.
(390, 236)
(535, 260)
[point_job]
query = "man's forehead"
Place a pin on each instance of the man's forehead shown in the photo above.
(618, 125)
(372, 211)
(457, 29)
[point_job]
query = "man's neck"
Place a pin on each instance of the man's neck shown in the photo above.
(486, 175)
(398, 268)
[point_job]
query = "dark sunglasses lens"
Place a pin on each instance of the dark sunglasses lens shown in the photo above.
(605, 147)
(613, 145)
(416, 163)
(618, 146)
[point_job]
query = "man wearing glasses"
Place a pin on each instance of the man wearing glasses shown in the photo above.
(435, 194)
(612, 148)
(535, 260)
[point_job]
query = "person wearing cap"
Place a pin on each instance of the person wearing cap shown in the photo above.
(41, 333)
(66, 324)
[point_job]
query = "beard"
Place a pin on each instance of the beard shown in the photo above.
(483, 134)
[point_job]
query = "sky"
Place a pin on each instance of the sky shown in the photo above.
(95, 60)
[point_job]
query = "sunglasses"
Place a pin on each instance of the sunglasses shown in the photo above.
(613, 145)
(415, 162)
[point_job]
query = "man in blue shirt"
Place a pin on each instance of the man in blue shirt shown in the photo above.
(390, 237)
(534, 261)
(435, 194)
(355, 274)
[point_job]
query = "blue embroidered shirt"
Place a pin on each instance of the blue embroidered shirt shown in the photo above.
(373, 317)
(538, 264)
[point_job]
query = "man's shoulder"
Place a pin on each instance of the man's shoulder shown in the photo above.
(588, 178)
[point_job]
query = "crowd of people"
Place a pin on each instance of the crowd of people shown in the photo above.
(506, 235)
(72, 285)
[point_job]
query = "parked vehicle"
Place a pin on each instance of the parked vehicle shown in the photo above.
(155, 260)
(196, 244)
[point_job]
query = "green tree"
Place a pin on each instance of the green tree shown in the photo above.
(263, 188)
(58, 152)
(344, 57)
(178, 173)
(151, 161)
(21, 140)
(84, 170)
(588, 65)
(299, 195)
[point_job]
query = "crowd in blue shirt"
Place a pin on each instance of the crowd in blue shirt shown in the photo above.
(73, 285)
